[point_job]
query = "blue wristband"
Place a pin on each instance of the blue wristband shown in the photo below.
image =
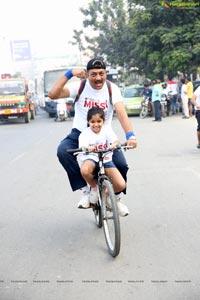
(129, 134)
(69, 74)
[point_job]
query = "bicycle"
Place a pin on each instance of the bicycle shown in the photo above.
(105, 210)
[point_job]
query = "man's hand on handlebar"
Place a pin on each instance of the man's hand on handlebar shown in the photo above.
(131, 143)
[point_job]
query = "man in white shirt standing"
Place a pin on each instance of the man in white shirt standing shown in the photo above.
(184, 99)
(196, 103)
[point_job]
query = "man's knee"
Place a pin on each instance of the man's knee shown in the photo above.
(62, 150)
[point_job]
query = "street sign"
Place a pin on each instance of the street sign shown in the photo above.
(21, 50)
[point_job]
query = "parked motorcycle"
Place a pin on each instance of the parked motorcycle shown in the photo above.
(62, 112)
(165, 104)
(147, 109)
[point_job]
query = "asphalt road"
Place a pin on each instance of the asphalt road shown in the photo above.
(51, 250)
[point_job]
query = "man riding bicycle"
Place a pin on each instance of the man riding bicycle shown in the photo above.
(95, 93)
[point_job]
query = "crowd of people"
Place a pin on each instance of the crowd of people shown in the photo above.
(180, 97)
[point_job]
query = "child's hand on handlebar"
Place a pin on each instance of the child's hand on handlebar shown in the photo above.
(89, 148)
(114, 145)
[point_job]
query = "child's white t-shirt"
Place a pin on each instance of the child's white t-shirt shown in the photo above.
(101, 141)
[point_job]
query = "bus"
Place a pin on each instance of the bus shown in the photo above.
(113, 76)
(48, 79)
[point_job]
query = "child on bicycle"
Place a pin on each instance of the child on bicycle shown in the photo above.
(98, 136)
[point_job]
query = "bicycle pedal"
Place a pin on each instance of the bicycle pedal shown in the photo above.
(108, 208)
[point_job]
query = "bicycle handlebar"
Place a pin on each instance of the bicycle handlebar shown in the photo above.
(75, 150)
(85, 150)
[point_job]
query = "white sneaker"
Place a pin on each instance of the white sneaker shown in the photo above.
(122, 209)
(93, 196)
(85, 201)
(118, 197)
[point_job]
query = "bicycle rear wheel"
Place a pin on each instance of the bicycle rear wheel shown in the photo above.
(110, 218)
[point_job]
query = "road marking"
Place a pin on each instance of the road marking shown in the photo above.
(17, 158)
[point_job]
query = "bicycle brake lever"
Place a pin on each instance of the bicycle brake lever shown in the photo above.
(86, 151)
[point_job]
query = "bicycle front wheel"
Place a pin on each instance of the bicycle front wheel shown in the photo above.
(110, 218)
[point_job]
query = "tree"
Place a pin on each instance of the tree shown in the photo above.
(108, 20)
(77, 40)
(141, 34)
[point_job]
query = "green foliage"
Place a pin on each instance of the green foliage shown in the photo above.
(77, 39)
(140, 34)
(17, 75)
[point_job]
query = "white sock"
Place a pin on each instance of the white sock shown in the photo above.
(118, 196)
(85, 189)
(94, 188)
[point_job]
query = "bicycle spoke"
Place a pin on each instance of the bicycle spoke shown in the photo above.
(110, 219)
(97, 214)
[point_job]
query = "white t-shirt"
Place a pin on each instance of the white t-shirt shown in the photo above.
(101, 141)
(184, 91)
(197, 93)
(173, 87)
(90, 98)
(166, 91)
